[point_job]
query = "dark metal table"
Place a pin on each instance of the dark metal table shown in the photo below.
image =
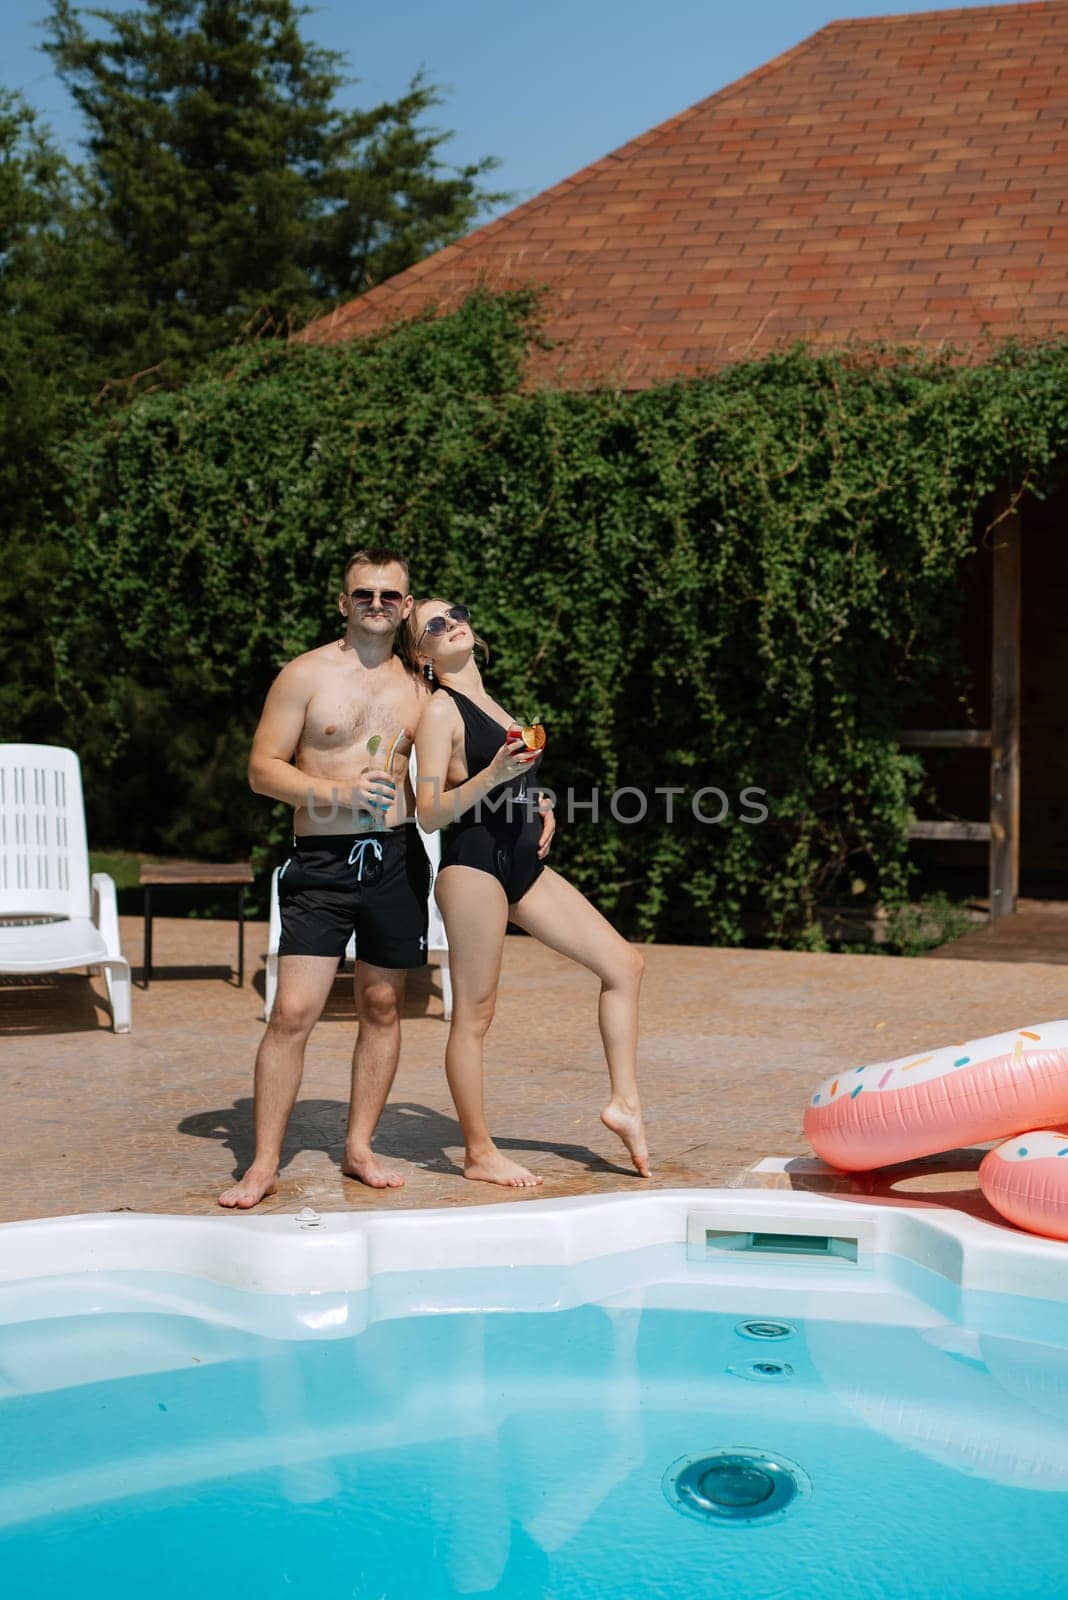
(195, 875)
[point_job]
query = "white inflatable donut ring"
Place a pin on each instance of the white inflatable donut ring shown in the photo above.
(933, 1100)
(1026, 1180)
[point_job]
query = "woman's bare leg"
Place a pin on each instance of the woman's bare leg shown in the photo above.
(476, 915)
(555, 912)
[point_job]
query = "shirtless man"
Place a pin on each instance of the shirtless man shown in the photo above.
(357, 863)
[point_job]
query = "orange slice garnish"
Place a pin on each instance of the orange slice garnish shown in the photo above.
(534, 737)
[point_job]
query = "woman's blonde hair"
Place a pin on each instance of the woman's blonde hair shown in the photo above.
(409, 634)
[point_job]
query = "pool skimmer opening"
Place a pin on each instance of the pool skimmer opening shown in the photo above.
(736, 1486)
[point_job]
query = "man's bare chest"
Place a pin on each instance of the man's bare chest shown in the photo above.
(347, 716)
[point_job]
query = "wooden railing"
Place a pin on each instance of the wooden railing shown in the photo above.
(948, 739)
(1002, 738)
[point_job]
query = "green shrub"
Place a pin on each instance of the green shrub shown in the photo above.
(913, 929)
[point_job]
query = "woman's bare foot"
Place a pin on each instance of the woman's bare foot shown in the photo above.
(248, 1191)
(491, 1166)
(368, 1169)
(624, 1118)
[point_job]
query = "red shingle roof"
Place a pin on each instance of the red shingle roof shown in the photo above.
(900, 178)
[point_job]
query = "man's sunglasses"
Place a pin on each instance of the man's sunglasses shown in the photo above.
(365, 597)
(437, 625)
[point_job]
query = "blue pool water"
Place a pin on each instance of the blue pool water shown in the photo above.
(347, 1450)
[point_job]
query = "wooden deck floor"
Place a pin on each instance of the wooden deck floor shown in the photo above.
(1037, 931)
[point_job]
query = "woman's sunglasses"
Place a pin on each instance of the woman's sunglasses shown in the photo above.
(437, 625)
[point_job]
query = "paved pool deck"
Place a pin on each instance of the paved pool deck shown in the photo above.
(732, 1041)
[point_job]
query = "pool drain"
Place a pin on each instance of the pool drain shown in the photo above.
(735, 1486)
(762, 1371)
(761, 1329)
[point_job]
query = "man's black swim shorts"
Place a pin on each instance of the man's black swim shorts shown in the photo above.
(372, 884)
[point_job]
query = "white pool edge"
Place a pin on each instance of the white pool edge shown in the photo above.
(344, 1251)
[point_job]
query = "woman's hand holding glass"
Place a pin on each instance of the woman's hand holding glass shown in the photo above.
(511, 760)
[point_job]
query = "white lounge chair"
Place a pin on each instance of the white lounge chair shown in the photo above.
(52, 915)
(435, 939)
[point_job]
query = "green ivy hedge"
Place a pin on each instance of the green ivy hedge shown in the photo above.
(734, 581)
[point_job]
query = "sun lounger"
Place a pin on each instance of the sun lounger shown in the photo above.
(53, 915)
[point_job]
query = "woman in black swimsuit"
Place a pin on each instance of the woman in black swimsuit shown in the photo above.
(473, 778)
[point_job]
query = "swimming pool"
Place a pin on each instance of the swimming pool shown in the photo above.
(673, 1395)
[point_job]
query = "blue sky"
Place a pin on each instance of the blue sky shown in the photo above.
(547, 87)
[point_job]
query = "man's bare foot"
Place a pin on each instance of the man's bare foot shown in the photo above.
(248, 1191)
(624, 1118)
(369, 1170)
(493, 1167)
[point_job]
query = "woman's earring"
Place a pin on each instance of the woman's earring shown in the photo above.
(429, 673)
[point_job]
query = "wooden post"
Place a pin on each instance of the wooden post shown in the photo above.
(1005, 716)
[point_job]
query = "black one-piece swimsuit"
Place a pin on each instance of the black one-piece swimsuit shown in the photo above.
(501, 833)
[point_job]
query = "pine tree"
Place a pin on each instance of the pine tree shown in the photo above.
(234, 191)
(51, 362)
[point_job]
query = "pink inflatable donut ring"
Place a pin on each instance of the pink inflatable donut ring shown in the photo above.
(961, 1094)
(1026, 1179)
